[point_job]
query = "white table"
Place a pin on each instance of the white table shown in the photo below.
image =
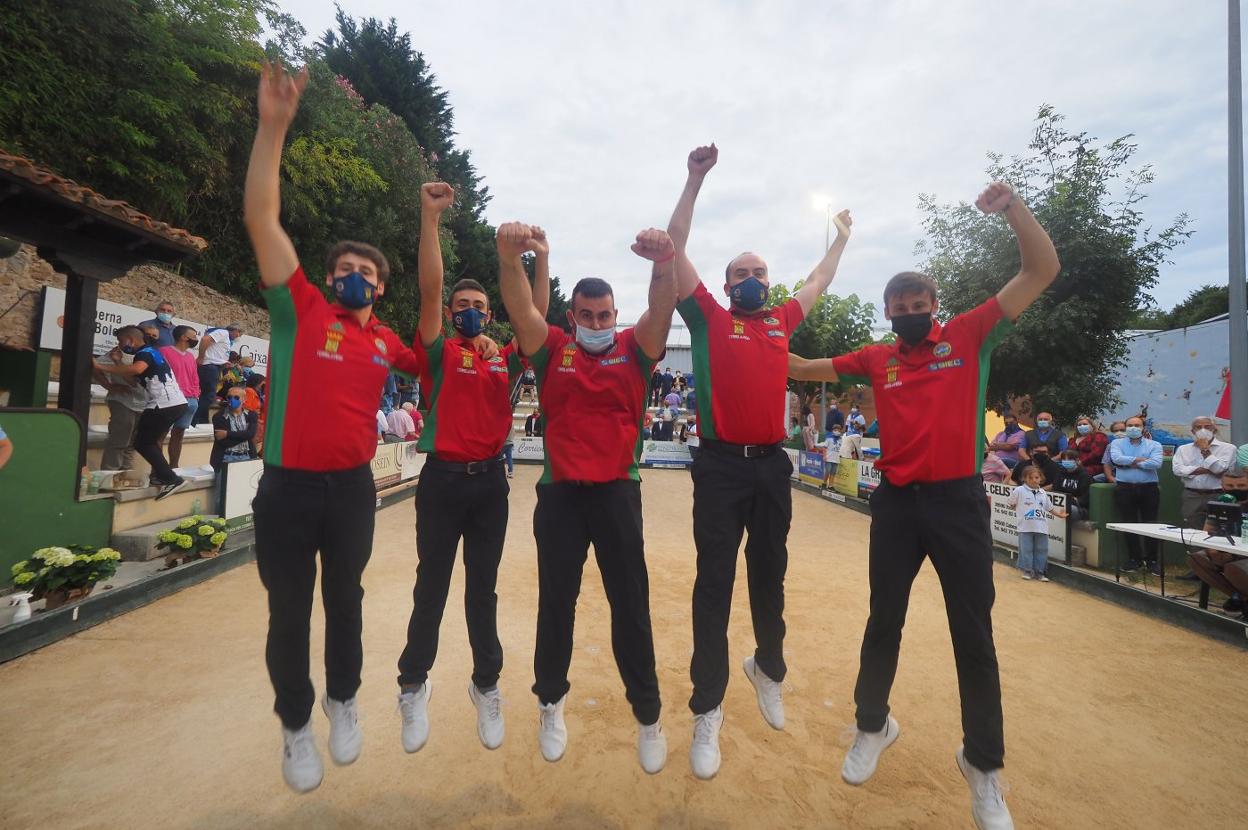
(1188, 538)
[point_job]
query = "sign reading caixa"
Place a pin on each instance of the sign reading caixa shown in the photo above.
(111, 316)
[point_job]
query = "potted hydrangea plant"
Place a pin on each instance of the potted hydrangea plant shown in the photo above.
(195, 537)
(62, 574)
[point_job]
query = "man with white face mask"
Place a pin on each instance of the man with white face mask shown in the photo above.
(593, 390)
(1200, 465)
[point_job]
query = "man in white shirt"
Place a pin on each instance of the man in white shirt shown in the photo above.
(214, 358)
(399, 425)
(1200, 465)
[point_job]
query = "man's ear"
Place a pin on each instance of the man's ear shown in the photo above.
(571, 319)
(380, 290)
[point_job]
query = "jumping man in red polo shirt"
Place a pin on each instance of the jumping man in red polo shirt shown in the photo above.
(931, 500)
(593, 390)
(317, 491)
(462, 492)
(740, 475)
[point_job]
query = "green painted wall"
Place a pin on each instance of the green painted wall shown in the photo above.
(39, 485)
(25, 375)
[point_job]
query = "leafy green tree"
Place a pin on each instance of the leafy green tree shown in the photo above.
(834, 326)
(1066, 349)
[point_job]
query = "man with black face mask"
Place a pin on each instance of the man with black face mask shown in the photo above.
(931, 501)
(462, 491)
(741, 475)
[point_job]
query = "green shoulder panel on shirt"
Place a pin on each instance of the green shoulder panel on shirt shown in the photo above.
(541, 362)
(695, 320)
(429, 434)
(1003, 327)
(283, 327)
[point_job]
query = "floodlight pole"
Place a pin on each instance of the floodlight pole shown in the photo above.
(1238, 317)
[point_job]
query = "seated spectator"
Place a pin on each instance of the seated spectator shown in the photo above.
(1071, 477)
(1118, 429)
(528, 385)
(993, 469)
(399, 427)
(1039, 459)
(1008, 441)
(254, 400)
(234, 434)
(1047, 435)
(1091, 443)
(533, 424)
(419, 420)
(647, 422)
(795, 430)
(1200, 465)
(1228, 572)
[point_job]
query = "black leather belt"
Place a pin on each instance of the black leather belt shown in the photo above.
(471, 468)
(1195, 490)
(740, 450)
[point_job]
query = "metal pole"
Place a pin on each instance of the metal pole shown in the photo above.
(1238, 317)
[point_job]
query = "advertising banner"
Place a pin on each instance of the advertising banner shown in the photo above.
(527, 449)
(795, 460)
(810, 467)
(410, 462)
(242, 478)
(1004, 523)
(665, 454)
(868, 479)
(387, 465)
(846, 481)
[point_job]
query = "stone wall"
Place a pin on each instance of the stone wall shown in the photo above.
(23, 275)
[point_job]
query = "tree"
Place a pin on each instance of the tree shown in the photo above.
(1066, 349)
(1204, 303)
(834, 326)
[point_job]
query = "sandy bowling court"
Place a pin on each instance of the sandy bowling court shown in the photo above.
(162, 718)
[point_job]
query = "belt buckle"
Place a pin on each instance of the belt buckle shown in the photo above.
(752, 451)
(472, 468)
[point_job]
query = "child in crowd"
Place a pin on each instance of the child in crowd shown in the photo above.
(831, 454)
(1032, 506)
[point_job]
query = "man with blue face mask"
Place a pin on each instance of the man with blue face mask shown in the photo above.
(163, 323)
(741, 476)
(462, 491)
(593, 388)
(1044, 440)
(1137, 494)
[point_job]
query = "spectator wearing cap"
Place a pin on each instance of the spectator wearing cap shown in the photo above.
(1200, 466)
(214, 358)
(163, 324)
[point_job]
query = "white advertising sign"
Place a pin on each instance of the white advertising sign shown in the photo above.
(241, 481)
(111, 316)
(527, 449)
(1004, 521)
(794, 458)
(665, 454)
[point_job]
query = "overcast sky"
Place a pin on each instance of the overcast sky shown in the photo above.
(579, 115)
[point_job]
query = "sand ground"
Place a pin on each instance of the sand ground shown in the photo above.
(162, 718)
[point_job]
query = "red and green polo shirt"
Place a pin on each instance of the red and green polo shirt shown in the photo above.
(741, 364)
(592, 405)
(469, 399)
(325, 377)
(929, 398)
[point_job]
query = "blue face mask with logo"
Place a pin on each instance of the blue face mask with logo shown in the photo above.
(1134, 432)
(1069, 464)
(748, 295)
(353, 291)
(469, 322)
(595, 341)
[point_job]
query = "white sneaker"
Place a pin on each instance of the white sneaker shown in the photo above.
(704, 751)
(768, 691)
(552, 733)
(301, 763)
(414, 707)
(489, 715)
(987, 800)
(651, 747)
(864, 755)
(345, 737)
(1026, 574)
(1043, 578)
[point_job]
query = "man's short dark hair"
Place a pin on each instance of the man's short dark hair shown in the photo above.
(591, 288)
(129, 331)
(181, 331)
(468, 284)
(363, 249)
(909, 282)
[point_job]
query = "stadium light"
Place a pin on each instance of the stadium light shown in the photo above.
(1238, 317)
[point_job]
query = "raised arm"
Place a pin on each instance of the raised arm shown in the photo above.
(821, 277)
(651, 332)
(435, 197)
(801, 368)
(540, 246)
(514, 238)
(701, 160)
(1039, 257)
(278, 100)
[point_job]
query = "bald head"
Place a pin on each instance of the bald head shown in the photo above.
(745, 265)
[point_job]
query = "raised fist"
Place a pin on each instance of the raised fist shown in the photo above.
(436, 196)
(843, 222)
(654, 245)
(702, 159)
(279, 92)
(538, 243)
(513, 239)
(995, 198)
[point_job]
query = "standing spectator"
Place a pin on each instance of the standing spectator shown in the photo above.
(1032, 506)
(1008, 441)
(6, 448)
(214, 354)
(810, 435)
(856, 423)
(993, 469)
(390, 393)
(1118, 429)
(126, 401)
(834, 418)
(162, 323)
(234, 438)
(668, 380)
(1071, 478)
(1091, 444)
(672, 399)
(382, 425)
(1044, 435)
(509, 446)
(656, 387)
(831, 452)
(165, 404)
(691, 401)
(182, 361)
(1200, 466)
(1137, 494)
(533, 424)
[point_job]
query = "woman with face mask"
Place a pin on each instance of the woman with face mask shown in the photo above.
(1091, 444)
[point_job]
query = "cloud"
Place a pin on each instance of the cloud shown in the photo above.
(580, 115)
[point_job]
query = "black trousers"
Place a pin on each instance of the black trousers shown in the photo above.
(209, 380)
(298, 513)
(153, 426)
(948, 521)
(569, 517)
(450, 506)
(732, 495)
(1138, 503)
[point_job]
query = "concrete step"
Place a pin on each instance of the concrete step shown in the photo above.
(138, 544)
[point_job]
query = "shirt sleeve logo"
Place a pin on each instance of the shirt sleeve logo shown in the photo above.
(771, 321)
(943, 349)
(380, 344)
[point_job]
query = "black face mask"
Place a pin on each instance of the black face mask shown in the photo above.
(1240, 495)
(912, 328)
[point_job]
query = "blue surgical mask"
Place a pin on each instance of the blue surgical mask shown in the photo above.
(164, 317)
(236, 403)
(353, 291)
(748, 295)
(1069, 464)
(1134, 432)
(469, 322)
(1043, 423)
(594, 341)
(1083, 429)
